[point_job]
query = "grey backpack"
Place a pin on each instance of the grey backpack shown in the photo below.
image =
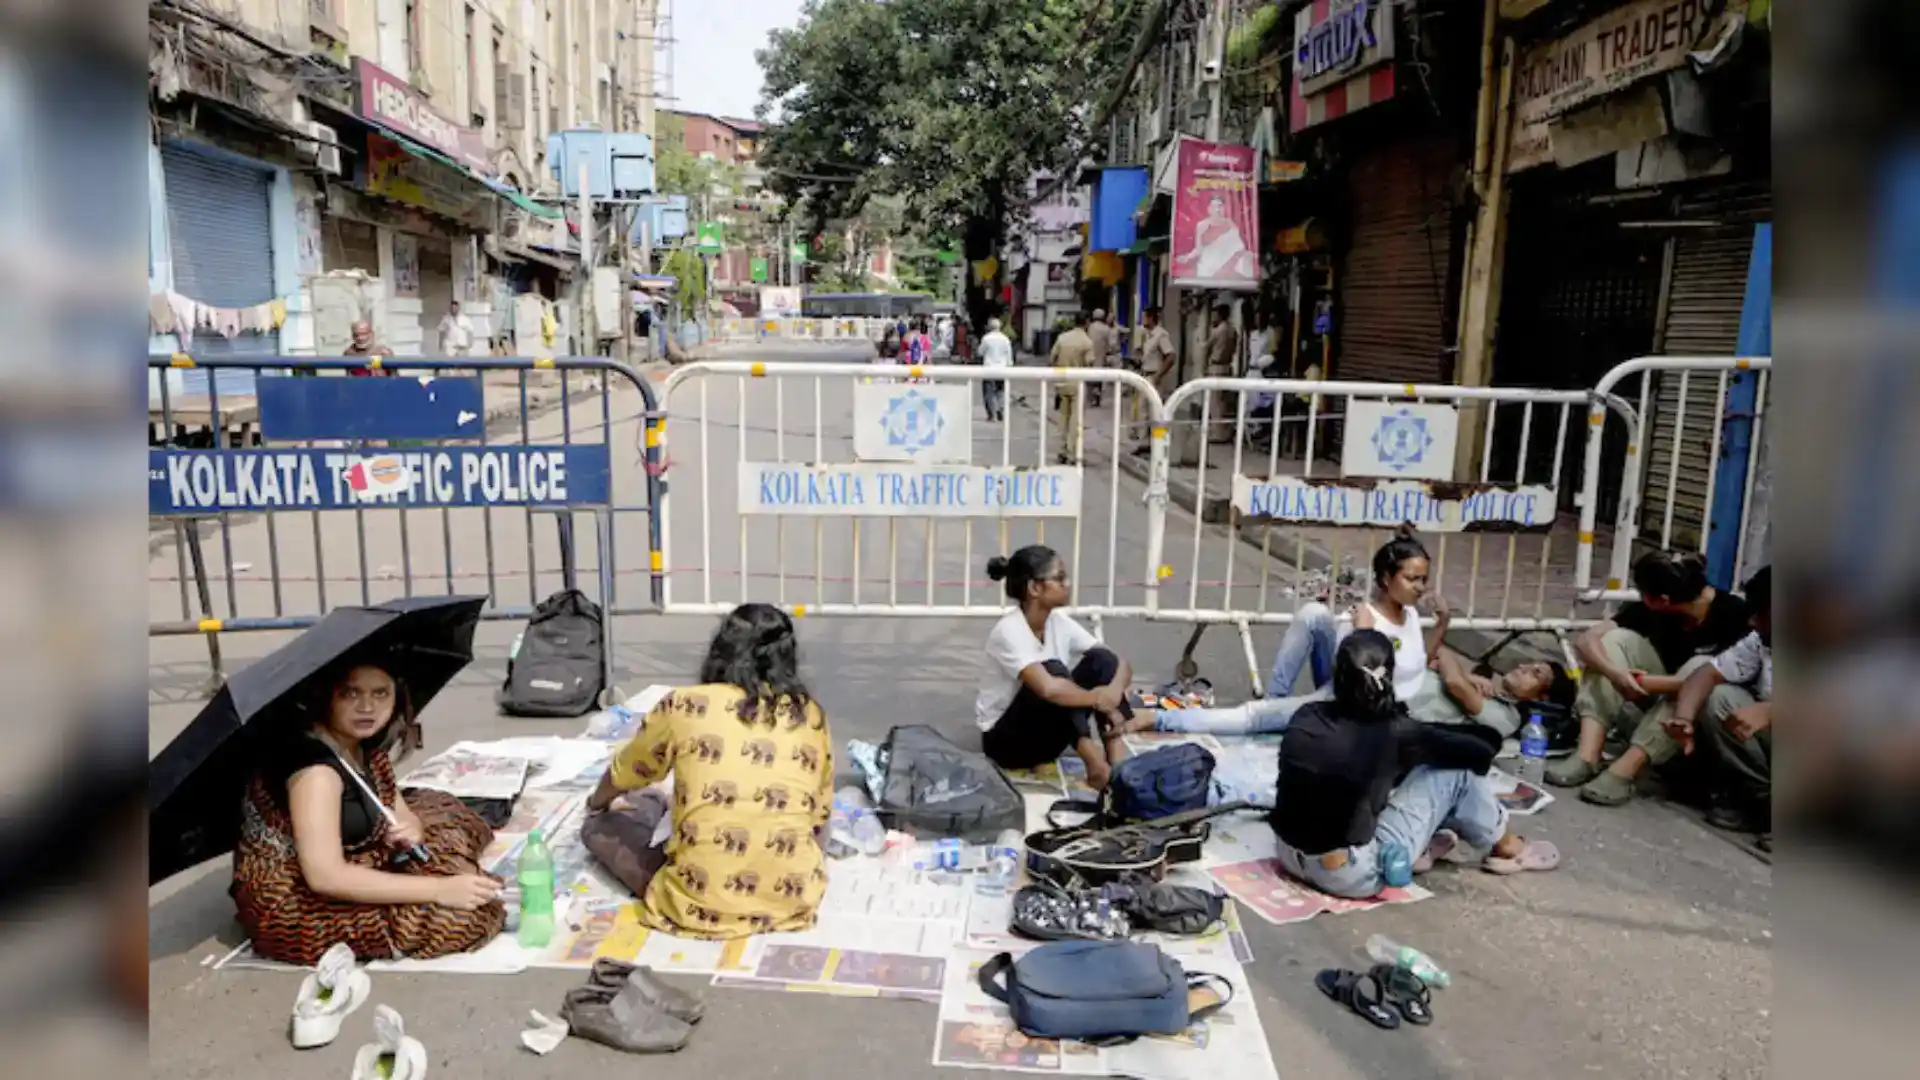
(561, 666)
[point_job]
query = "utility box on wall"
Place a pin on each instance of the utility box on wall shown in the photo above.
(619, 164)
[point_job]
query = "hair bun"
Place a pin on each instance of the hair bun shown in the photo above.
(997, 568)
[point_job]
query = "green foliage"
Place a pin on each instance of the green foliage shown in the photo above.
(683, 264)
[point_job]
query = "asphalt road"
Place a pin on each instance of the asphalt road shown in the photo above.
(1648, 954)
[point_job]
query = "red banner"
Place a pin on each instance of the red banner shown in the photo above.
(1216, 217)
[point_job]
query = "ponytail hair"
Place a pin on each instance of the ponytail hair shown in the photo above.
(1022, 568)
(1676, 576)
(1395, 553)
(1363, 676)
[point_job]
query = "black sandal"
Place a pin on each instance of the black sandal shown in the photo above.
(1406, 992)
(1361, 992)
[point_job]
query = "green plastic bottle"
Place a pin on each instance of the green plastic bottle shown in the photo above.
(536, 893)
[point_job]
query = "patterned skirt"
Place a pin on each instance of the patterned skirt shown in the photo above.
(291, 923)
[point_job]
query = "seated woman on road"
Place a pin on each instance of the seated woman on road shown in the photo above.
(1047, 683)
(752, 767)
(317, 862)
(1638, 659)
(1400, 574)
(1337, 802)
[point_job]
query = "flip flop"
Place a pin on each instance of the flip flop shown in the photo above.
(1406, 992)
(1538, 855)
(1438, 848)
(1361, 992)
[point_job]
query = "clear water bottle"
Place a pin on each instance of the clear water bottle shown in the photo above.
(1003, 864)
(1533, 749)
(1396, 866)
(1385, 950)
(852, 826)
(535, 878)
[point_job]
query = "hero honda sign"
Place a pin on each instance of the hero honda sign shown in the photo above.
(386, 99)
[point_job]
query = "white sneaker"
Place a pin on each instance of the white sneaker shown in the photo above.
(392, 1055)
(327, 997)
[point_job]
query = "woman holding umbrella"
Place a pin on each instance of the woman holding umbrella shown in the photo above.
(330, 851)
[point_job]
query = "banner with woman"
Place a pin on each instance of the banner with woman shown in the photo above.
(1216, 217)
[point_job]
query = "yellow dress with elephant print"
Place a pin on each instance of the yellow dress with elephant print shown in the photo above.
(750, 786)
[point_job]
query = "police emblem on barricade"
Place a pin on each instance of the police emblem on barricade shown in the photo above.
(913, 422)
(1401, 440)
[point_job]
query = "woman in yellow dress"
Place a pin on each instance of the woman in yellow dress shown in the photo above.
(752, 767)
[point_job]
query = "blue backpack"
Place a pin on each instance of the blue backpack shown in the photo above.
(1146, 787)
(1100, 992)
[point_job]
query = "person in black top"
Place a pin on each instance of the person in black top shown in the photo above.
(1357, 773)
(1639, 659)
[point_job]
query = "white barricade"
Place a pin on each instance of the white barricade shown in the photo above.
(879, 489)
(1310, 478)
(1670, 472)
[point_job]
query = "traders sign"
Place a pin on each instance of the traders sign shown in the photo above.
(387, 100)
(879, 489)
(1615, 50)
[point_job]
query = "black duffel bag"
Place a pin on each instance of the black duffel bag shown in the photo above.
(935, 789)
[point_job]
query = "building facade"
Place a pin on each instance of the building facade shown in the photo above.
(319, 162)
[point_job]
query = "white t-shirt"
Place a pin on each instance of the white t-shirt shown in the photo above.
(1748, 663)
(1011, 649)
(996, 350)
(1409, 651)
(456, 334)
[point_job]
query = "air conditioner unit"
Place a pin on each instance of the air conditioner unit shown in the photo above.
(324, 149)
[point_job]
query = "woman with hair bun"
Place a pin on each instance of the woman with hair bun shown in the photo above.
(1048, 684)
(1337, 802)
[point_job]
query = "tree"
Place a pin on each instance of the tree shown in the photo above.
(684, 265)
(953, 105)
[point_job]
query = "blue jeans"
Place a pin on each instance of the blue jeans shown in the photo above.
(1424, 803)
(1309, 641)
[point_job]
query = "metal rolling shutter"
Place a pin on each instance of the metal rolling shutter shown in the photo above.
(220, 229)
(1705, 294)
(1396, 285)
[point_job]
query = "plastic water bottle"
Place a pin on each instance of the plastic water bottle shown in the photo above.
(852, 827)
(1385, 950)
(536, 892)
(614, 722)
(1533, 749)
(1003, 864)
(950, 854)
(1396, 866)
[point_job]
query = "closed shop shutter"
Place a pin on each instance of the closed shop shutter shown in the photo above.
(436, 290)
(1396, 284)
(220, 231)
(1705, 294)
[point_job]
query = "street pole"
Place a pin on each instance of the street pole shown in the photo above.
(623, 226)
(1185, 448)
(586, 335)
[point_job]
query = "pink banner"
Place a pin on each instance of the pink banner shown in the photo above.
(1216, 217)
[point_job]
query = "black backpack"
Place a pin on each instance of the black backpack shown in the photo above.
(935, 789)
(561, 666)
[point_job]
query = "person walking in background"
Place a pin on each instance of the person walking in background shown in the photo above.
(456, 331)
(1223, 360)
(1105, 347)
(1073, 349)
(995, 352)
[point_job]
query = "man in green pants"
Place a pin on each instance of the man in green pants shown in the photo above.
(1639, 657)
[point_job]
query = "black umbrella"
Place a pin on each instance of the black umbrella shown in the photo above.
(196, 785)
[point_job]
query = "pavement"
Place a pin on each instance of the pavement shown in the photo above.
(1649, 953)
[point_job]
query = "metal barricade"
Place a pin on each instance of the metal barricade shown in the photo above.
(1296, 530)
(393, 515)
(1664, 499)
(833, 511)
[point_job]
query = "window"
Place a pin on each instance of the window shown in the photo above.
(476, 86)
(410, 36)
(503, 106)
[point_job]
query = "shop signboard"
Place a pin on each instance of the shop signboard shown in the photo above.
(393, 173)
(1343, 59)
(1216, 217)
(1604, 56)
(387, 100)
